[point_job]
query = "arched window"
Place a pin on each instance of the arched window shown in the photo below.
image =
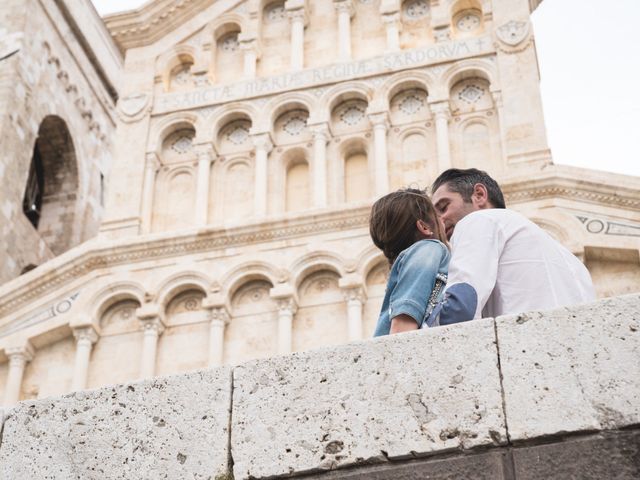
(32, 201)
(49, 200)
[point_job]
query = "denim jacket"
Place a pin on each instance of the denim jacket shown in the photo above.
(410, 288)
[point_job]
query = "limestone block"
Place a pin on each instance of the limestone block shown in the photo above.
(572, 369)
(165, 428)
(397, 397)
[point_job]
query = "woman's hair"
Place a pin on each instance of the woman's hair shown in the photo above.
(392, 224)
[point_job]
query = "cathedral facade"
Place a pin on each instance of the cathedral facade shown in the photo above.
(188, 184)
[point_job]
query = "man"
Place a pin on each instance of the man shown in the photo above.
(501, 263)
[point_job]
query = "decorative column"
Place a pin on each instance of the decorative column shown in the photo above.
(85, 338)
(285, 298)
(249, 45)
(152, 164)
(391, 22)
(390, 11)
(380, 122)
(263, 145)
(497, 100)
(355, 295)
(345, 12)
(153, 326)
(219, 319)
(18, 358)
(298, 16)
(320, 138)
(205, 155)
(442, 114)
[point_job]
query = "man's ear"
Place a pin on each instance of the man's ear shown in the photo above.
(480, 196)
(424, 229)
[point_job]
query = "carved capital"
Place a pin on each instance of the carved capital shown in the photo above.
(249, 43)
(344, 6)
(497, 98)
(354, 294)
(20, 355)
(205, 152)
(287, 306)
(379, 120)
(153, 326)
(441, 110)
(219, 316)
(391, 19)
(85, 334)
(262, 141)
(152, 161)
(320, 131)
(297, 11)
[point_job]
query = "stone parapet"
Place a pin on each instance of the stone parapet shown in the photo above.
(539, 395)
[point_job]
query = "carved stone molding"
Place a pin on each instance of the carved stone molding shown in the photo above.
(134, 107)
(85, 334)
(603, 226)
(513, 36)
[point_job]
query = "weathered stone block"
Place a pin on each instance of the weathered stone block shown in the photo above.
(613, 455)
(572, 369)
(167, 428)
(392, 398)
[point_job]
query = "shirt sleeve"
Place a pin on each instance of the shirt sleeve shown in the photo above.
(417, 272)
(476, 247)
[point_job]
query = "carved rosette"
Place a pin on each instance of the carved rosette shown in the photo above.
(513, 36)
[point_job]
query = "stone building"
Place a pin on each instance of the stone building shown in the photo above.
(230, 186)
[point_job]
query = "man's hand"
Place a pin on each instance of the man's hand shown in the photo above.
(402, 323)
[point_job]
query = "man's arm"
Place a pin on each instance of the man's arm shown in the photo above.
(477, 244)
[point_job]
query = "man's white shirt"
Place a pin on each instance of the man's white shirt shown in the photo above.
(502, 263)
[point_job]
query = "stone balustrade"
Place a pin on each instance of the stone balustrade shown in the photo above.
(548, 395)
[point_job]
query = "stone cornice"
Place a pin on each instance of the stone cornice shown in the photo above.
(152, 21)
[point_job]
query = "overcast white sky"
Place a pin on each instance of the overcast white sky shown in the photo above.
(589, 57)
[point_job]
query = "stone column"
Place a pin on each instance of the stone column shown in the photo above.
(355, 299)
(263, 145)
(85, 338)
(497, 100)
(219, 320)
(345, 12)
(18, 358)
(380, 124)
(287, 302)
(153, 326)
(320, 138)
(442, 114)
(391, 22)
(205, 155)
(151, 169)
(298, 16)
(249, 45)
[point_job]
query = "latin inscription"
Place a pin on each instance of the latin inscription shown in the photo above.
(317, 76)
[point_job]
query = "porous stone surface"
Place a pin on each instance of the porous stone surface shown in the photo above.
(572, 369)
(166, 428)
(391, 398)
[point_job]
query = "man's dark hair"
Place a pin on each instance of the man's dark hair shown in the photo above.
(463, 181)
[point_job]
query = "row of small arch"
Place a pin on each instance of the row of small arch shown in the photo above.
(166, 290)
(320, 109)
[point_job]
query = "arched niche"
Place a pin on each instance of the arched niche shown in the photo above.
(356, 178)
(233, 134)
(253, 330)
(231, 199)
(290, 127)
(297, 191)
(228, 56)
(183, 346)
(51, 190)
(467, 19)
(349, 115)
(321, 318)
(376, 282)
(367, 30)
(409, 105)
(416, 23)
(174, 199)
(274, 38)
(115, 358)
(180, 76)
(177, 147)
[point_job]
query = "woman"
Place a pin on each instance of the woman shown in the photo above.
(404, 225)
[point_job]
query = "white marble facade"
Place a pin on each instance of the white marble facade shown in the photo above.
(251, 139)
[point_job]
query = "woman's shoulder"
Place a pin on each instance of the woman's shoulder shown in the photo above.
(425, 247)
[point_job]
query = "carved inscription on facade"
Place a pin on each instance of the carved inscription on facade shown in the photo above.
(321, 75)
(58, 308)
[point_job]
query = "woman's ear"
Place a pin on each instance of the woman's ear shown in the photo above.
(424, 229)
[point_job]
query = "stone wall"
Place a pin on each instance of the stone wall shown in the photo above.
(551, 395)
(56, 91)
